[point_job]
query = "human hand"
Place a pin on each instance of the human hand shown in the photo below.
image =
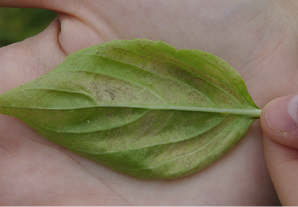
(256, 38)
(279, 123)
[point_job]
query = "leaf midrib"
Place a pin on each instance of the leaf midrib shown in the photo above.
(251, 112)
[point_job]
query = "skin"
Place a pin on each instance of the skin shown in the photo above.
(258, 38)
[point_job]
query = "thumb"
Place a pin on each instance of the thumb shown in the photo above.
(280, 131)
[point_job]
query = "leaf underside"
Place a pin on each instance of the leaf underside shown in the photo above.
(140, 107)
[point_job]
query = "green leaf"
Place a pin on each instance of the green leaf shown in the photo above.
(138, 106)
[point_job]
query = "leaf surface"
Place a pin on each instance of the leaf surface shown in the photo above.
(138, 106)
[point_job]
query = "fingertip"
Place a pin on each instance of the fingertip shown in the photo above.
(279, 120)
(280, 115)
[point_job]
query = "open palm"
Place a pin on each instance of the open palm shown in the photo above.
(255, 37)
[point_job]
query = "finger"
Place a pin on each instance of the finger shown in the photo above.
(24, 61)
(279, 124)
(279, 120)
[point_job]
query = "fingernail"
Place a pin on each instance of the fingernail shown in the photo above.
(281, 114)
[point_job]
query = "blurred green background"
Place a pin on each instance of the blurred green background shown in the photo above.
(17, 24)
